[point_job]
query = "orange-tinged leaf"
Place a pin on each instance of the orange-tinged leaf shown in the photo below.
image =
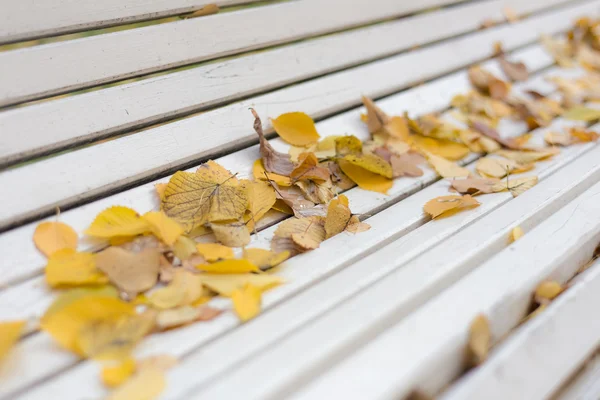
(440, 147)
(53, 236)
(239, 266)
(366, 180)
(226, 284)
(214, 251)
(308, 168)
(265, 259)
(338, 216)
(259, 172)
(10, 332)
(185, 288)
(495, 167)
(480, 338)
(210, 194)
(298, 235)
(65, 323)
(583, 135)
(371, 163)
(528, 157)
(443, 205)
(184, 315)
(68, 267)
(114, 375)
(397, 127)
(117, 221)
(445, 168)
(130, 272)
(163, 227)
(296, 128)
(114, 339)
(160, 190)
(247, 302)
(146, 384)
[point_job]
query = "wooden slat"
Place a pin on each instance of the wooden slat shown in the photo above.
(44, 70)
(30, 19)
(32, 298)
(536, 359)
(67, 122)
(417, 265)
(300, 272)
(93, 171)
(425, 350)
(585, 384)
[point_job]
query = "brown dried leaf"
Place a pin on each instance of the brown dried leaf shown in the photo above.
(308, 168)
(273, 161)
(376, 117)
(298, 235)
(493, 134)
(515, 71)
(406, 165)
(130, 272)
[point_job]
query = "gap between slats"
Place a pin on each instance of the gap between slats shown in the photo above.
(89, 173)
(69, 122)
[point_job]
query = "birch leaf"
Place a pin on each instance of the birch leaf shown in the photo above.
(114, 375)
(480, 337)
(210, 194)
(308, 168)
(516, 186)
(515, 234)
(265, 259)
(214, 251)
(474, 185)
(441, 147)
(130, 272)
(247, 302)
(272, 160)
(163, 227)
(226, 284)
(260, 173)
(348, 145)
(261, 197)
(366, 180)
(528, 157)
(445, 205)
(10, 332)
(338, 216)
(296, 128)
(229, 267)
(234, 234)
(185, 288)
(68, 267)
(298, 235)
(495, 167)
(445, 168)
(53, 236)
(117, 221)
(582, 113)
(371, 163)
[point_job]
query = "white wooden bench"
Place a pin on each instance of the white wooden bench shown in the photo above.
(367, 316)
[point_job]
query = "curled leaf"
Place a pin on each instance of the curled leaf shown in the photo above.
(446, 205)
(260, 173)
(515, 234)
(547, 291)
(273, 161)
(338, 216)
(298, 235)
(53, 236)
(376, 117)
(163, 227)
(296, 128)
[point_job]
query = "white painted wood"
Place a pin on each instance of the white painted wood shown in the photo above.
(93, 171)
(44, 70)
(301, 272)
(30, 19)
(585, 385)
(32, 297)
(426, 349)
(18, 248)
(66, 122)
(536, 359)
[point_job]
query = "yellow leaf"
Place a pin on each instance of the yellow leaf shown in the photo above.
(515, 234)
(440, 147)
(208, 195)
(184, 247)
(371, 163)
(246, 302)
(445, 168)
(117, 221)
(130, 272)
(185, 288)
(233, 235)
(68, 267)
(265, 259)
(163, 227)
(115, 338)
(229, 267)
(226, 284)
(259, 171)
(348, 145)
(296, 128)
(53, 236)
(298, 235)
(582, 113)
(114, 375)
(70, 296)
(64, 324)
(495, 167)
(558, 139)
(474, 186)
(583, 135)
(397, 127)
(355, 226)
(338, 216)
(547, 291)
(214, 251)
(365, 179)
(146, 384)
(528, 157)
(444, 205)
(480, 337)
(185, 315)
(10, 332)
(516, 186)
(261, 197)
(160, 190)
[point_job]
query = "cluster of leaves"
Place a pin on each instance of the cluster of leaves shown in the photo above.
(158, 270)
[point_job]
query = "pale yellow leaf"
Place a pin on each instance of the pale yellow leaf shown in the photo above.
(474, 186)
(547, 291)
(296, 128)
(146, 384)
(528, 157)
(67, 267)
(480, 338)
(261, 197)
(53, 236)
(516, 186)
(10, 332)
(582, 113)
(495, 167)
(445, 168)
(184, 315)
(226, 284)
(234, 234)
(130, 272)
(163, 227)
(184, 247)
(214, 251)
(247, 302)
(118, 221)
(185, 288)
(259, 172)
(515, 234)
(114, 375)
